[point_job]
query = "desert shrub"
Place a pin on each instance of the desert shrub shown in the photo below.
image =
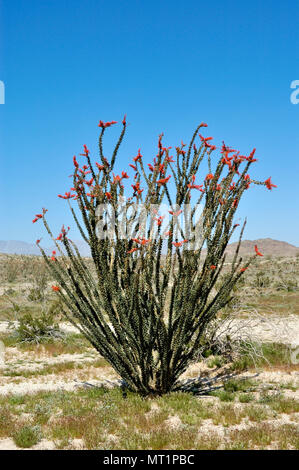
(27, 436)
(245, 398)
(262, 280)
(223, 395)
(289, 285)
(12, 269)
(38, 328)
(146, 303)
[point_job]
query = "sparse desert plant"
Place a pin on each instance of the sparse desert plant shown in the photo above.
(38, 328)
(27, 436)
(146, 310)
(262, 280)
(12, 268)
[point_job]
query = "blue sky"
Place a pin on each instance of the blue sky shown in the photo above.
(169, 65)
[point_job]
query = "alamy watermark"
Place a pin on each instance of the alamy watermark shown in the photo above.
(295, 94)
(2, 92)
(134, 221)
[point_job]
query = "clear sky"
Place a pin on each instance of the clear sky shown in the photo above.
(169, 65)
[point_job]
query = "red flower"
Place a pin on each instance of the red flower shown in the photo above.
(164, 180)
(205, 140)
(136, 188)
(133, 166)
(86, 151)
(269, 184)
(106, 124)
(213, 266)
(138, 157)
(210, 176)
(257, 251)
(100, 167)
(124, 174)
(176, 214)
(226, 150)
(227, 161)
(124, 120)
(108, 195)
(247, 178)
(250, 158)
(159, 220)
(56, 288)
(142, 241)
(38, 242)
(178, 244)
(195, 186)
(76, 164)
(116, 179)
(66, 196)
(160, 141)
(132, 250)
(37, 217)
(243, 269)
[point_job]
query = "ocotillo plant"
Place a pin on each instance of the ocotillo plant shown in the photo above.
(147, 302)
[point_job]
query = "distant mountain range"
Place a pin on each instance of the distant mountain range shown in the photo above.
(16, 247)
(266, 245)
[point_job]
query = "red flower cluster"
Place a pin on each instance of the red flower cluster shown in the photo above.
(257, 251)
(175, 214)
(106, 124)
(67, 195)
(205, 141)
(141, 241)
(138, 156)
(137, 189)
(164, 180)
(38, 216)
(159, 220)
(56, 288)
(63, 233)
(195, 186)
(86, 151)
(269, 184)
(179, 244)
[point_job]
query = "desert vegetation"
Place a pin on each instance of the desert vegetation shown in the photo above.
(47, 398)
(157, 341)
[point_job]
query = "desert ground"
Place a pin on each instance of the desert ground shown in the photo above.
(57, 392)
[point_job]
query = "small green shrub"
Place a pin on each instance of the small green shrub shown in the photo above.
(37, 329)
(27, 436)
(245, 398)
(216, 361)
(223, 395)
